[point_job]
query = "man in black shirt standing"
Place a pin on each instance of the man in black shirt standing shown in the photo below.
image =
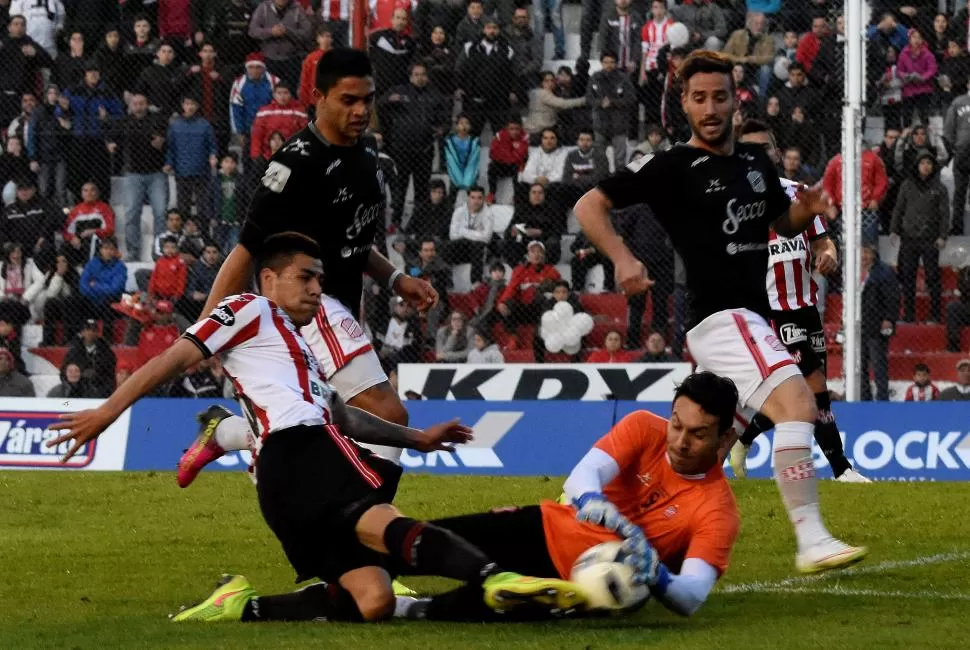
(717, 200)
(324, 183)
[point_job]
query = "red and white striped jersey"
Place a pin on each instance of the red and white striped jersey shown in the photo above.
(789, 278)
(927, 393)
(653, 37)
(272, 368)
(334, 10)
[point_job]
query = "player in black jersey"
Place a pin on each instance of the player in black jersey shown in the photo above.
(325, 183)
(717, 200)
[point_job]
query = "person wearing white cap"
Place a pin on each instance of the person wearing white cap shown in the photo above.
(960, 391)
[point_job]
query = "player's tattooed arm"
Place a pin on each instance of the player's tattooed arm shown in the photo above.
(366, 427)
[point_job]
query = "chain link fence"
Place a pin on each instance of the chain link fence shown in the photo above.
(135, 133)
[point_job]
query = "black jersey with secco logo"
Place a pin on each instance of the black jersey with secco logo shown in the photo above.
(333, 194)
(717, 210)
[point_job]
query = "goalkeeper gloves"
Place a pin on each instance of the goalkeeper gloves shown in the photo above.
(595, 508)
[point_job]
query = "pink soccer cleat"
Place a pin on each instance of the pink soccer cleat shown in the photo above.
(204, 449)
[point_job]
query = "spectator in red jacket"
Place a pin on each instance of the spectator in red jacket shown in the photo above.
(308, 73)
(282, 116)
(875, 183)
(173, 20)
(90, 218)
(922, 389)
(507, 154)
(159, 336)
(809, 43)
(521, 302)
(612, 350)
(170, 274)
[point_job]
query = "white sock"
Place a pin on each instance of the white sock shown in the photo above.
(409, 607)
(795, 477)
(232, 434)
(392, 454)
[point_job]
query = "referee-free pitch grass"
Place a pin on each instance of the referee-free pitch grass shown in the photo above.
(98, 560)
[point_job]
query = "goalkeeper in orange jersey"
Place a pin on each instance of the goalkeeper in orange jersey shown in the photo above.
(656, 484)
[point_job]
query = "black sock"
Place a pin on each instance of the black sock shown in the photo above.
(318, 601)
(827, 435)
(421, 548)
(758, 425)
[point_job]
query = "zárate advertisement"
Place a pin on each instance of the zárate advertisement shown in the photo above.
(24, 434)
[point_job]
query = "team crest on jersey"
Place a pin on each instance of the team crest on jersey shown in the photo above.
(223, 315)
(757, 181)
(774, 343)
(352, 327)
(276, 176)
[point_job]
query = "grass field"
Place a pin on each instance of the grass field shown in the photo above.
(92, 560)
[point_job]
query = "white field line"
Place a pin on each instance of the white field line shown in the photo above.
(798, 582)
(864, 593)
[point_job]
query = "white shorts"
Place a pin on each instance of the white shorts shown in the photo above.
(345, 353)
(740, 345)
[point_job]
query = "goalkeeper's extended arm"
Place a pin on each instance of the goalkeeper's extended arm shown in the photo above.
(685, 592)
(596, 470)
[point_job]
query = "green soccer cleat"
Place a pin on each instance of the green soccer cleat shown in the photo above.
(226, 603)
(401, 589)
(507, 591)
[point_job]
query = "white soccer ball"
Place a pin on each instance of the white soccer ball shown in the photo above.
(606, 580)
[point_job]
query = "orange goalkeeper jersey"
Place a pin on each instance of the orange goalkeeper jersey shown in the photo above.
(682, 516)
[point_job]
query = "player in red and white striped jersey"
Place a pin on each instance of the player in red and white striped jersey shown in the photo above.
(922, 389)
(326, 499)
(793, 296)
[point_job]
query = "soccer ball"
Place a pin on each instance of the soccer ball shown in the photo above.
(608, 582)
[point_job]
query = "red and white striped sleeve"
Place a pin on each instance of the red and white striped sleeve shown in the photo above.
(234, 321)
(817, 229)
(910, 393)
(935, 394)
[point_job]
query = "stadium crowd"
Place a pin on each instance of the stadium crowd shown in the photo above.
(204, 92)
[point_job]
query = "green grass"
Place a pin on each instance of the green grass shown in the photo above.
(92, 560)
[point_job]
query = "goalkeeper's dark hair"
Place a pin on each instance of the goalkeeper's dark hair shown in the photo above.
(715, 394)
(280, 249)
(341, 62)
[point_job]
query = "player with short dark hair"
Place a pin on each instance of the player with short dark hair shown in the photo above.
(717, 200)
(325, 182)
(325, 498)
(793, 295)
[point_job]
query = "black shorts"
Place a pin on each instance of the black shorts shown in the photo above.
(314, 484)
(513, 538)
(800, 331)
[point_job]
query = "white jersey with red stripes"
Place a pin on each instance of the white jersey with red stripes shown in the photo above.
(274, 372)
(335, 337)
(927, 393)
(789, 279)
(334, 10)
(653, 37)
